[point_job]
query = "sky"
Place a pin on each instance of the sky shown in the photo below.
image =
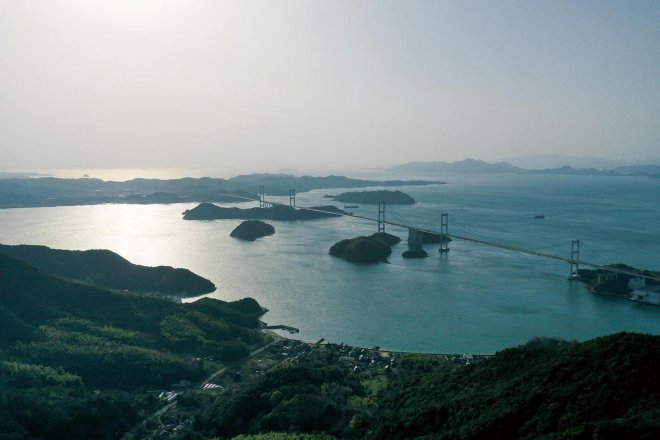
(268, 85)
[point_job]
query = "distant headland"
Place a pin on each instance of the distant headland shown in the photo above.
(209, 211)
(472, 166)
(49, 191)
(106, 269)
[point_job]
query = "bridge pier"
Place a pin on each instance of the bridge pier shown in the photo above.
(292, 198)
(381, 217)
(575, 260)
(444, 230)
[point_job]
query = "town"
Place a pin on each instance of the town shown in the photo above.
(371, 365)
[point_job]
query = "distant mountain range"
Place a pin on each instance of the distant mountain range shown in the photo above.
(472, 166)
(463, 166)
(628, 170)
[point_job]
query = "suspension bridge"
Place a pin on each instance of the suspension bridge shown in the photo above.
(415, 235)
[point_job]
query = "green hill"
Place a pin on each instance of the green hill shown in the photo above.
(605, 388)
(104, 268)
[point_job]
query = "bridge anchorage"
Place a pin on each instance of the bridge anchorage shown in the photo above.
(416, 236)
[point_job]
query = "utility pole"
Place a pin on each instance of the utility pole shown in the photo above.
(381, 217)
(444, 233)
(575, 260)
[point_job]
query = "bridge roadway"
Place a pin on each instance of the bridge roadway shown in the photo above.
(470, 239)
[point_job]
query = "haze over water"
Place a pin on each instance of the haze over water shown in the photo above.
(478, 299)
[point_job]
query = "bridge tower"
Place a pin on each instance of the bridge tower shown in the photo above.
(292, 198)
(262, 197)
(444, 231)
(381, 217)
(575, 260)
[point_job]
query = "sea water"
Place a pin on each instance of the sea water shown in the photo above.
(476, 299)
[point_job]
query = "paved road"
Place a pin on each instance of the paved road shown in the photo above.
(223, 369)
(169, 406)
(143, 423)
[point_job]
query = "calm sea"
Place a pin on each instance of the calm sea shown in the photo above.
(478, 299)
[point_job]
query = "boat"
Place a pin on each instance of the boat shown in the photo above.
(539, 217)
(350, 206)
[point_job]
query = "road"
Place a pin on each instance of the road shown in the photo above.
(169, 406)
(223, 369)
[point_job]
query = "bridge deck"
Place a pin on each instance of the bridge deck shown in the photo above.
(470, 239)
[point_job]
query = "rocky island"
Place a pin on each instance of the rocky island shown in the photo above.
(367, 250)
(374, 197)
(415, 253)
(209, 211)
(106, 269)
(250, 230)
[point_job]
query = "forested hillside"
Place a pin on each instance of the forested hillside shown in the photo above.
(606, 388)
(77, 358)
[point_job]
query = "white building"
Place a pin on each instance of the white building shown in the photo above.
(647, 294)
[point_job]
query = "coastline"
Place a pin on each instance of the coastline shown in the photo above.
(384, 351)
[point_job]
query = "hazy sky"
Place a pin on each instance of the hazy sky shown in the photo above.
(255, 85)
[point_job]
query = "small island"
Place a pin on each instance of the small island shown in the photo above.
(250, 230)
(415, 253)
(210, 211)
(366, 250)
(374, 197)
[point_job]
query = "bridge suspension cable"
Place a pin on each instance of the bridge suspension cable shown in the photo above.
(462, 237)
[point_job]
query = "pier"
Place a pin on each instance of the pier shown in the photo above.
(290, 329)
